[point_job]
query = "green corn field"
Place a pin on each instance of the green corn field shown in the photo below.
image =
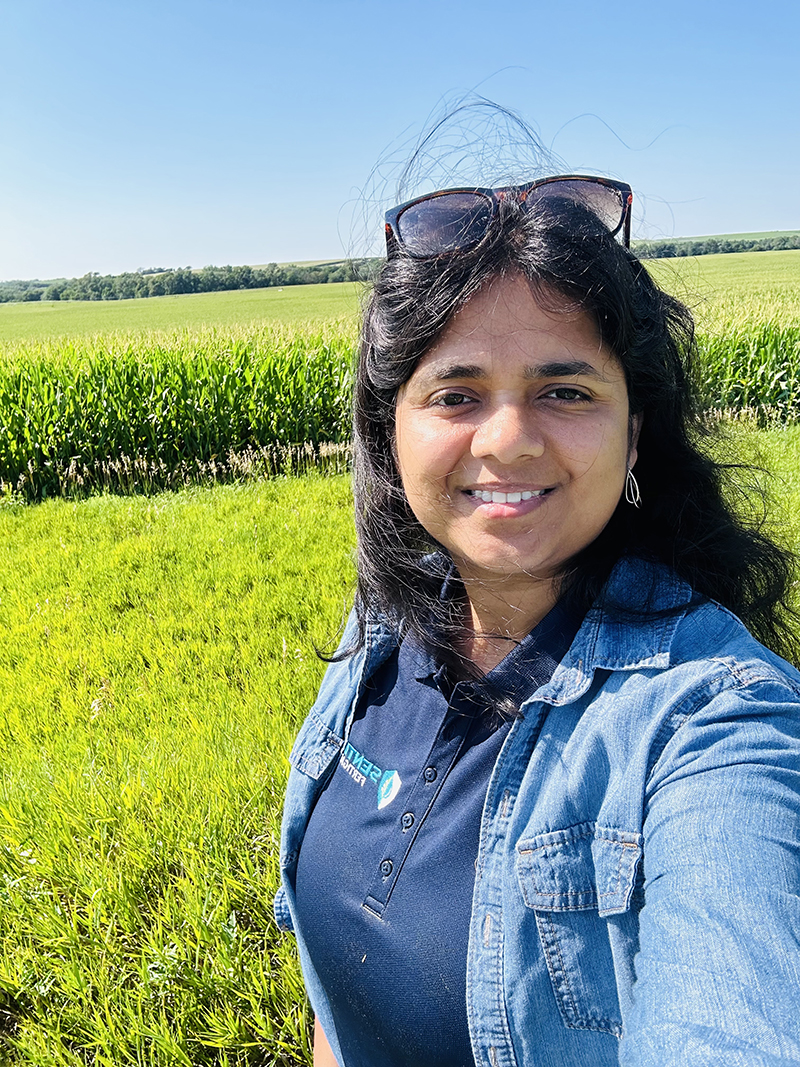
(160, 409)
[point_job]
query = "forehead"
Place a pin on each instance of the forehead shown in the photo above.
(506, 325)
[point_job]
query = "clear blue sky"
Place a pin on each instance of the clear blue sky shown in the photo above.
(139, 133)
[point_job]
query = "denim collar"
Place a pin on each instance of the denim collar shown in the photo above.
(649, 601)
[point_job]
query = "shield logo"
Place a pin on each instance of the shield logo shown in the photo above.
(388, 788)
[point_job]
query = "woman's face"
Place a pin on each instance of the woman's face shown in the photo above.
(513, 436)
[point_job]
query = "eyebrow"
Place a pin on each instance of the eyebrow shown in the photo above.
(557, 369)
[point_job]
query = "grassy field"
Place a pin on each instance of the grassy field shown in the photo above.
(747, 309)
(754, 284)
(46, 319)
(158, 655)
(739, 288)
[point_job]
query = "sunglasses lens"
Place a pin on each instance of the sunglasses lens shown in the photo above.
(444, 223)
(577, 196)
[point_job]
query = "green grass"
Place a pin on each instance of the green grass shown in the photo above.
(748, 284)
(157, 658)
(737, 289)
(747, 309)
(763, 284)
(41, 320)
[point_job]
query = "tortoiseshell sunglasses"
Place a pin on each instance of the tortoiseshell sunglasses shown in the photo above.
(457, 219)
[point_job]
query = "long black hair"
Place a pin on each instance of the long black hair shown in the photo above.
(688, 518)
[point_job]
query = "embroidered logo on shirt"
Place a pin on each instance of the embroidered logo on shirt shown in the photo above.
(362, 770)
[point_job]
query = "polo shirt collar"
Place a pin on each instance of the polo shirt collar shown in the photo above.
(528, 664)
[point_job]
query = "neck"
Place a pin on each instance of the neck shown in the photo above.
(501, 614)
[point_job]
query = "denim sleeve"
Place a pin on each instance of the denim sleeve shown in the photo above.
(718, 968)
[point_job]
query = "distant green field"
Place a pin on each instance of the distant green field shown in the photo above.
(763, 235)
(735, 289)
(765, 285)
(40, 320)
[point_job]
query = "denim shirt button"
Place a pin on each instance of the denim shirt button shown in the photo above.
(407, 821)
(429, 774)
(386, 868)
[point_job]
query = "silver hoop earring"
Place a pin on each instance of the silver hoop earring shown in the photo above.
(632, 494)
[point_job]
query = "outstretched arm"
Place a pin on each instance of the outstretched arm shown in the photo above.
(718, 968)
(323, 1056)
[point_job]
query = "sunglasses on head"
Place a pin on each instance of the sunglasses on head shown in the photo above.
(457, 219)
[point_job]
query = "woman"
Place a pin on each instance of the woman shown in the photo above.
(544, 810)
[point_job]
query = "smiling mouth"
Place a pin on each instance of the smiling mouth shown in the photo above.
(493, 497)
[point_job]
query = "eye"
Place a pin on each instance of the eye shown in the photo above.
(453, 399)
(567, 393)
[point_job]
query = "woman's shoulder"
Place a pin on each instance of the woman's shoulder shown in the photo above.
(649, 619)
(712, 634)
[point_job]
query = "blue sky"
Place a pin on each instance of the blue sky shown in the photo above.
(168, 133)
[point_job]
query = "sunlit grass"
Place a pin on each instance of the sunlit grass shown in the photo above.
(314, 304)
(736, 290)
(157, 657)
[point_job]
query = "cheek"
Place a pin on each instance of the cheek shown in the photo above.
(428, 452)
(594, 449)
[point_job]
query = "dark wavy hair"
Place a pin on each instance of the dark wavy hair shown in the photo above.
(689, 518)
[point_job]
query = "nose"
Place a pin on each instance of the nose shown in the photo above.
(508, 432)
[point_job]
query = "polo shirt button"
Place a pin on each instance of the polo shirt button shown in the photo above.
(407, 821)
(386, 868)
(429, 774)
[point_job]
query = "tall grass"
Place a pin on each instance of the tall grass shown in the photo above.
(747, 309)
(157, 658)
(753, 366)
(158, 410)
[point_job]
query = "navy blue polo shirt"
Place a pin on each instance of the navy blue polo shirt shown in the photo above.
(387, 866)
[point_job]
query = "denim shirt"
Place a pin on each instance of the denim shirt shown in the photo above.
(637, 896)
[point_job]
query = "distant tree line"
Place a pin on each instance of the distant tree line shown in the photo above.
(158, 282)
(704, 246)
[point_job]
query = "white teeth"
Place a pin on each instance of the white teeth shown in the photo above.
(505, 498)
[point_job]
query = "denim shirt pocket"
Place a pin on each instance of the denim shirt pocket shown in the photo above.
(580, 882)
(315, 748)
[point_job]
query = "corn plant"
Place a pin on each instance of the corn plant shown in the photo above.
(164, 409)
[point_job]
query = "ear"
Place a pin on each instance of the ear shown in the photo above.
(635, 423)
